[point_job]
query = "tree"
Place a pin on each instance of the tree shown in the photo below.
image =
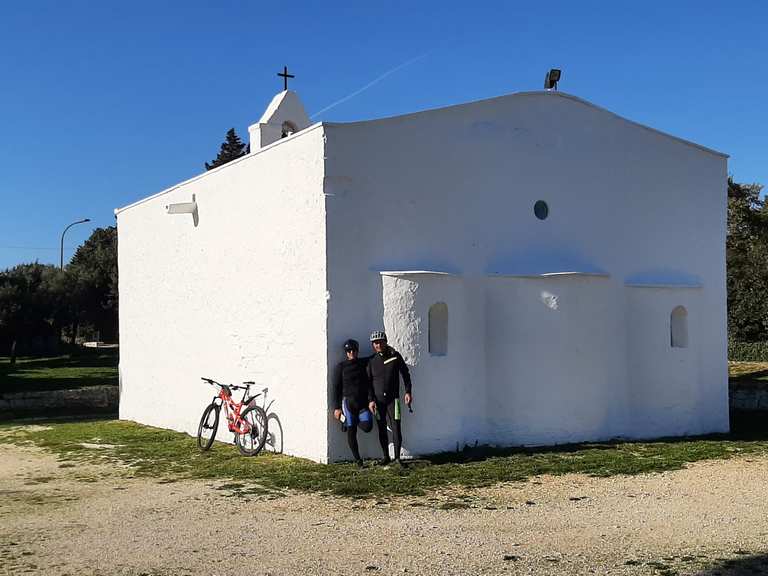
(230, 149)
(93, 283)
(747, 259)
(31, 297)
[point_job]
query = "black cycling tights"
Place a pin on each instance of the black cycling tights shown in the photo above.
(364, 425)
(352, 440)
(386, 412)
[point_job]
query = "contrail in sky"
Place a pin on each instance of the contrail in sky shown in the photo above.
(371, 83)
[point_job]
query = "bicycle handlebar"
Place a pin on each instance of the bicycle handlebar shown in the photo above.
(211, 381)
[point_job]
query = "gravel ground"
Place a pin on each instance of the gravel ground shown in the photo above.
(94, 520)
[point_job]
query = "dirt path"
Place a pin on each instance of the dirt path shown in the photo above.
(58, 520)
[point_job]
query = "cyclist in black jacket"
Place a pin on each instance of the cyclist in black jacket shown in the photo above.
(385, 368)
(352, 393)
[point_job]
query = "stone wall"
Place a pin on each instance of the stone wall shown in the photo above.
(749, 399)
(91, 400)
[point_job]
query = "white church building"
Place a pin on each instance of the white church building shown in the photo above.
(550, 271)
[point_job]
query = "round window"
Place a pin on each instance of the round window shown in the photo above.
(541, 210)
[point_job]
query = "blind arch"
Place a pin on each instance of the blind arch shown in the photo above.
(438, 329)
(678, 327)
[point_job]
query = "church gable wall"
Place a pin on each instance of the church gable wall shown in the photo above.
(454, 190)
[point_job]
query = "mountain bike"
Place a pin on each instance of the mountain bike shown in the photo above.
(245, 419)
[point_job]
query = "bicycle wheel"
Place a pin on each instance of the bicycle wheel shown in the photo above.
(252, 442)
(209, 424)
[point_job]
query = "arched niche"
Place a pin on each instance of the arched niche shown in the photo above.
(678, 327)
(438, 329)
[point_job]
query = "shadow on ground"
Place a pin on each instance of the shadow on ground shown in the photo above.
(745, 426)
(748, 565)
(749, 425)
(757, 379)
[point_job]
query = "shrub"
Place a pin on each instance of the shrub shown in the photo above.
(748, 351)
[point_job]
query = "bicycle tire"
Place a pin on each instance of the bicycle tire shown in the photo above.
(203, 442)
(252, 443)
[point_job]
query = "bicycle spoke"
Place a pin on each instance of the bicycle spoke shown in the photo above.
(253, 435)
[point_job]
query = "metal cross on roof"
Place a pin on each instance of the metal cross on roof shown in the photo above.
(284, 75)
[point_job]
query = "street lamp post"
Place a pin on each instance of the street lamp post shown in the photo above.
(61, 252)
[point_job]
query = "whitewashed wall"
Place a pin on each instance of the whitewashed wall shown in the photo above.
(442, 379)
(453, 190)
(241, 296)
(553, 360)
(665, 397)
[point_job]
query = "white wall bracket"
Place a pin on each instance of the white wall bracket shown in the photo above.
(185, 208)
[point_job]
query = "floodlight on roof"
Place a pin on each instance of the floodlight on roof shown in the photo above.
(551, 79)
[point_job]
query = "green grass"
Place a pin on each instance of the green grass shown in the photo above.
(91, 368)
(169, 455)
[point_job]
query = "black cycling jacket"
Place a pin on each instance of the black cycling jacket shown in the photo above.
(350, 380)
(384, 370)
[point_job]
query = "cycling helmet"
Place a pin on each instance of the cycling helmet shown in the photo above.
(378, 335)
(351, 345)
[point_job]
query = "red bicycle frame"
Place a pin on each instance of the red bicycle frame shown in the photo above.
(232, 411)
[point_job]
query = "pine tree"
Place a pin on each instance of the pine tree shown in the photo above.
(232, 148)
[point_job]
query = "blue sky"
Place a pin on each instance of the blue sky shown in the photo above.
(103, 103)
